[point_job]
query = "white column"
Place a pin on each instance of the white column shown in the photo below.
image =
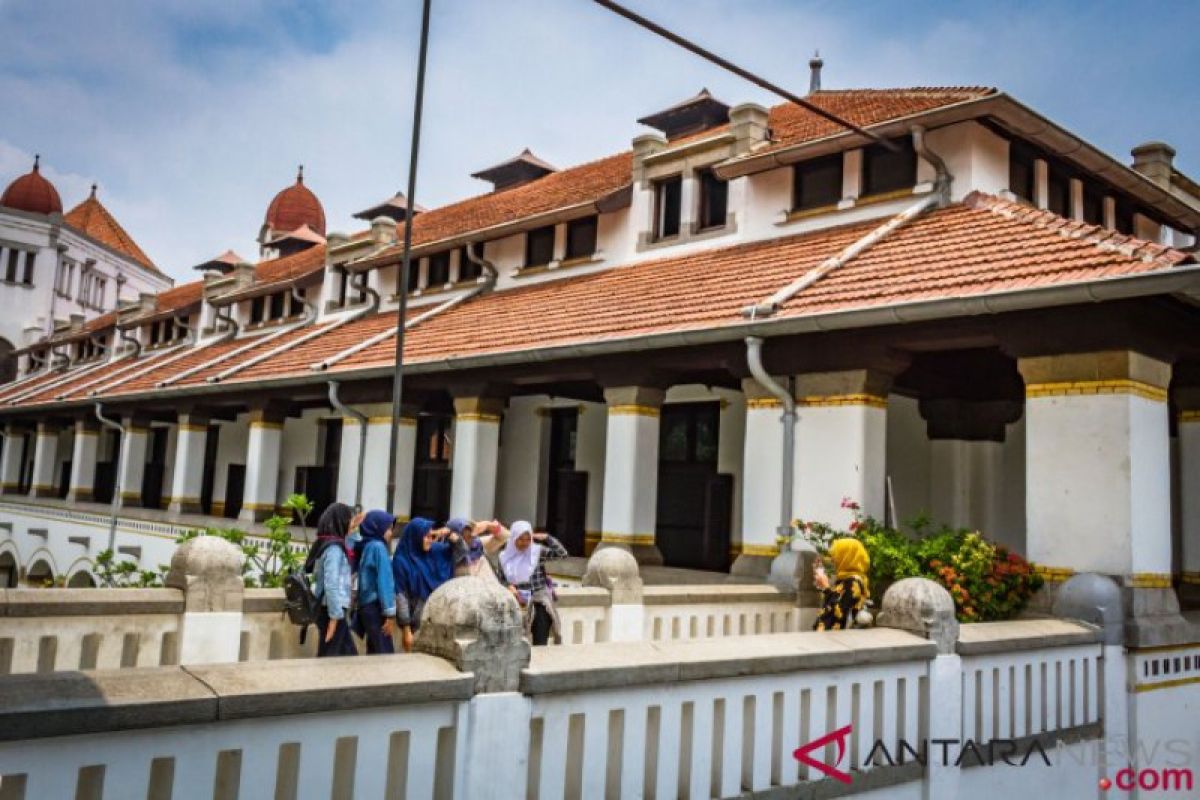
(1189, 492)
(1098, 467)
(10, 460)
(631, 471)
(841, 444)
(589, 458)
(378, 443)
(761, 482)
(520, 483)
(262, 465)
(132, 465)
(967, 483)
(45, 460)
(476, 453)
(83, 461)
(187, 475)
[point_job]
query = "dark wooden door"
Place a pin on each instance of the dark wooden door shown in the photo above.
(566, 491)
(235, 489)
(64, 479)
(693, 507)
(106, 471)
(432, 474)
(210, 468)
(156, 466)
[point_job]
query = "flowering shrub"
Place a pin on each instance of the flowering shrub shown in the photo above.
(986, 581)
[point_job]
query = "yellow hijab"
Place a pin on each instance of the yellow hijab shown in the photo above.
(850, 559)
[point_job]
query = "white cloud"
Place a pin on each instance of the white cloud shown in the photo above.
(190, 115)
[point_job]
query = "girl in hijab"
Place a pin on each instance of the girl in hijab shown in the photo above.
(845, 599)
(376, 592)
(329, 562)
(424, 560)
(482, 544)
(523, 561)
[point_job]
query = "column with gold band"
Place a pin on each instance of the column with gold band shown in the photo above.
(1098, 464)
(629, 512)
(45, 461)
(761, 488)
(377, 436)
(82, 484)
(476, 453)
(131, 466)
(841, 438)
(1187, 400)
(262, 464)
(187, 472)
(10, 459)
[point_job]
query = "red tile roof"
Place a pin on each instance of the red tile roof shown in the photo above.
(791, 124)
(296, 206)
(92, 218)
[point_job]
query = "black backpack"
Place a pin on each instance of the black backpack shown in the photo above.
(300, 604)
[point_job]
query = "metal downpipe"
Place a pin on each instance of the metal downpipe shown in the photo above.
(347, 411)
(117, 487)
(754, 361)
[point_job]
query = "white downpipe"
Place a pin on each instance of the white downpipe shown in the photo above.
(371, 308)
(347, 411)
(382, 336)
(754, 361)
(117, 486)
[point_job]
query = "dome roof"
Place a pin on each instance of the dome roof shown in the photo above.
(31, 192)
(296, 206)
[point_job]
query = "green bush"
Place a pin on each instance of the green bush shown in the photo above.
(986, 581)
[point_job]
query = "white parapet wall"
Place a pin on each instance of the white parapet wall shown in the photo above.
(623, 719)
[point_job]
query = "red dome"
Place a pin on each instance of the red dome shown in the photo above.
(32, 192)
(296, 206)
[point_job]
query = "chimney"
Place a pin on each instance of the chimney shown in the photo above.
(383, 230)
(814, 66)
(1153, 159)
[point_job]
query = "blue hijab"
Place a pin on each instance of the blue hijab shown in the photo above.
(417, 572)
(374, 527)
(475, 548)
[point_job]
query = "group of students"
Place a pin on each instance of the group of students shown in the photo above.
(363, 587)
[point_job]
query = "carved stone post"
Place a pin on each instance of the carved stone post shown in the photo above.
(616, 570)
(208, 570)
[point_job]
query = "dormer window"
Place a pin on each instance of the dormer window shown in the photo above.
(668, 196)
(581, 237)
(1093, 204)
(344, 288)
(87, 349)
(167, 331)
(1058, 191)
(1021, 174)
(885, 171)
(439, 270)
(539, 246)
(817, 183)
(468, 270)
(714, 200)
(414, 276)
(275, 307)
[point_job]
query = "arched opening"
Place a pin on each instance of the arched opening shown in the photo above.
(81, 580)
(8, 571)
(8, 362)
(40, 574)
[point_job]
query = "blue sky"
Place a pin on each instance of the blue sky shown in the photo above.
(191, 114)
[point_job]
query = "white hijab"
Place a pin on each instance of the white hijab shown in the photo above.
(518, 565)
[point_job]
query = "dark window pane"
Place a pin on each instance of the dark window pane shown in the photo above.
(673, 442)
(667, 196)
(1021, 172)
(1058, 192)
(28, 278)
(468, 270)
(581, 237)
(256, 310)
(817, 183)
(414, 276)
(10, 273)
(277, 306)
(1093, 204)
(539, 246)
(1123, 217)
(714, 196)
(707, 426)
(888, 171)
(439, 270)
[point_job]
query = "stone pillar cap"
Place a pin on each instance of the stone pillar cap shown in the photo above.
(1095, 599)
(209, 571)
(920, 606)
(616, 570)
(476, 625)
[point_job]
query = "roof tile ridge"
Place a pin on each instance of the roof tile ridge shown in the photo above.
(1102, 238)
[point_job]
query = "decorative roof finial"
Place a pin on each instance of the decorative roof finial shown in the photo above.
(300, 174)
(814, 66)
(37, 160)
(93, 190)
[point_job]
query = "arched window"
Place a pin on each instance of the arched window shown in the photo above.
(40, 574)
(8, 571)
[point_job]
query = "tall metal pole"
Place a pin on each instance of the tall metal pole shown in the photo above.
(406, 263)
